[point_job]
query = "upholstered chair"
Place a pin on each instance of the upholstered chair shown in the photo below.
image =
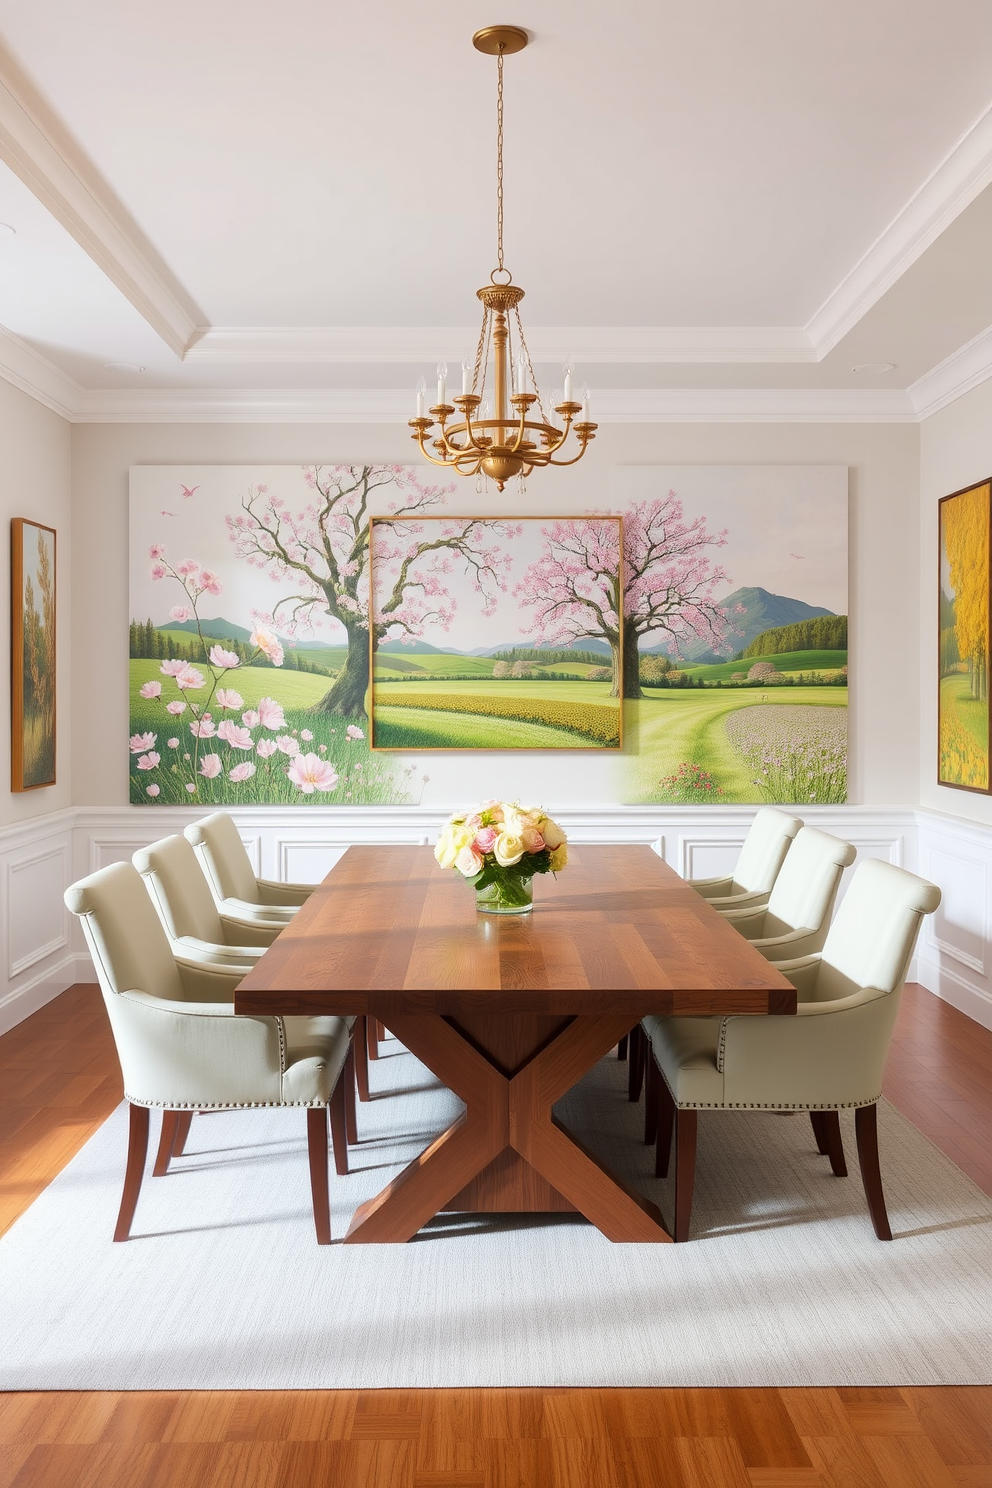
(765, 846)
(796, 918)
(182, 1049)
(189, 914)
(232, 879)
(827, 1058)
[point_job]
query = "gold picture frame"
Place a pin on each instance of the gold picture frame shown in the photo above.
(964, 622)
(33, 654)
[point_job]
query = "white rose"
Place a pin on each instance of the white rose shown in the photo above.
(468, 862)
(552, 833)
(446, 850)
(508, 849)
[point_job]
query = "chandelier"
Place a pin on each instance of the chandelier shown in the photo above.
(494, 434)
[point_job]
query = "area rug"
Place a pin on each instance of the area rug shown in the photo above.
(223, 1286)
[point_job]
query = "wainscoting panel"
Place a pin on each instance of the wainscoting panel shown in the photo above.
(37, 960)
(956, 945)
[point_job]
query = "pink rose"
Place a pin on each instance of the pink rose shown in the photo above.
(485, 839)
(532, 840)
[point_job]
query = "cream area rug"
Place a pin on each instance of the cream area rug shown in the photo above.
(223, 1286)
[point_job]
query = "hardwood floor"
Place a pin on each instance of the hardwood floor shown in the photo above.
(59, 1081)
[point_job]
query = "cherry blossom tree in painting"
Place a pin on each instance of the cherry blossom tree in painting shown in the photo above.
(669, 580)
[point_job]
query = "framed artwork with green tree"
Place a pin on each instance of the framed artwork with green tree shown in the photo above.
(32, 670)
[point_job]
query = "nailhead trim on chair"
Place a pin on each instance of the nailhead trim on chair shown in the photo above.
(219, 1105)
(764, 1105)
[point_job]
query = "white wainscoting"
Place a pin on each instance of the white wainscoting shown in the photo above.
(44, 951)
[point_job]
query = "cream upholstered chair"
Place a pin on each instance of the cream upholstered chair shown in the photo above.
(186, 907)
(830, 1056)
(765, 846)
(232, 879)
(182, 1049)
(796, 918)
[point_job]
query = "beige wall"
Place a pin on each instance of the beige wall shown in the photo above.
(884, 479)
(955, 451)
(34, 482)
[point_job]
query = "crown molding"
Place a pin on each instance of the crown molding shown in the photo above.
(41, 152)
(957, 374)
(963, 173)
(593, 345)
(35, 375)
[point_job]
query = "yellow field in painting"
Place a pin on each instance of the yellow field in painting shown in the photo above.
(584, 709)
(964, 734)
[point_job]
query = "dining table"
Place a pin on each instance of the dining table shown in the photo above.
(510, 1011)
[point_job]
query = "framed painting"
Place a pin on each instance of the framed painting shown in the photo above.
(496, 633)
(32, 670)
(964, 614)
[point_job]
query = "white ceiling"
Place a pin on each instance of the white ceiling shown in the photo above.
(702, 201)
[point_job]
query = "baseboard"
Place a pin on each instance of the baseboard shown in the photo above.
(22, 1001)
(949, 987)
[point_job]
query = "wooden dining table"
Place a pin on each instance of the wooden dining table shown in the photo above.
(509, 1012)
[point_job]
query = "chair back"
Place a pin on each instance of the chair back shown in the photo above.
(806, 887)
(179, 891)
(223, 858)
(123, 933)
(764, 850)
(873, 936)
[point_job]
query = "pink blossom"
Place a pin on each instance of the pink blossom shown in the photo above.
(287, 744)
(244, 771)
(172, 668)
(191, 787)
(250, 718)
(210, 582)
(266, 747)
(310, 773)
(180, 613)
(322, 748)
(172, 743)
(233, 734)
(203, 728)
(140, 742)
(157, 550)
(189, 679)
(268, 644)
(176, 708)
(148, 761)
(354, 732)
(222, 658)
(151, 690)
(158, 570)
(306, 734)
(532, 840)
(270, 714)
(152, 790)
(226, 697)
(210, 766)
(187, 568)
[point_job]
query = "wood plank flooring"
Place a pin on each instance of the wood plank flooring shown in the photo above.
(59, 1081)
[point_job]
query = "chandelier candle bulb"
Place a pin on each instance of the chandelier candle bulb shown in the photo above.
(568, 385)
(421, 396)
(442, 381)
(466, 379)
(522, 384)
(585, 405)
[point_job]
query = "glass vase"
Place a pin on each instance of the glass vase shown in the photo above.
(509, 894)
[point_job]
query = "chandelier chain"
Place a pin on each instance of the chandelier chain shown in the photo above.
(499, 159)
(530, 365)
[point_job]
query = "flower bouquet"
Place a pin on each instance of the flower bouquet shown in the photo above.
(498, 848)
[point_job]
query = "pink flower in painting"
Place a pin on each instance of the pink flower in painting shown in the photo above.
(233, 734)
(203, 728)
(310, 773)
(189, 679)
(210, 766)
(172, 668)
(172, 743)
(268, 644)
(159, 570)
(222, 658)
(157, 550)
(140, 742)
(270, 714)
(250, 718)
(152, 790)
(148, 761)
(306, 735)
(176, 708)
(187, 568)
(241, 772)
(226, 697)
(287, 744)
(322, 748)
(180, 613)
(210, 582)
(151, 690)
(354, 732)
(266, 747)
(191, 787)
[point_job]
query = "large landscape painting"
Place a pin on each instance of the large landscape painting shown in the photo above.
(735, 620)
(963, 704)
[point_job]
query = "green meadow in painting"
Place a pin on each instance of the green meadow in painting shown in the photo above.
(33, 714)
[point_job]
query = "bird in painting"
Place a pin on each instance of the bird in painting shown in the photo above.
(188, 491)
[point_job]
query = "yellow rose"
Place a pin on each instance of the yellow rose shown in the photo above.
(450, 843)
(559, 858)
(552, 833)
(508, 849)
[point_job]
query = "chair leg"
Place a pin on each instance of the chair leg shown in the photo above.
(652, 1096)
(338, 1105)
(380, 1032)
(372, 1037)
(351, 1114)
(666, 1126)
(317, 1149)
(816, 1122)
(360, 1045)
(175, 1130)
(137, 1150)
(835, 1143)
(184, 1120)
(635, 1062)
(866, 1131)
(622, 1049)
(685, 1170)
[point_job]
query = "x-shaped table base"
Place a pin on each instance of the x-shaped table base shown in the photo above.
(507, 1111)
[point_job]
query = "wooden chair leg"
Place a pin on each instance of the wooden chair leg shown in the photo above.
(166, 1143)
(339, 1121)
(666, 1126)
(866, 1132)
(360, 1045)
(685, 1170)
(835, 1143)
(652, 1097)
(372, 1037)
(137, 1151)
(622, 1049)
(380, 1032)
(317, 1149)
(184, 1120)
(635, 1062)
(816, 1122)
(351, 1114)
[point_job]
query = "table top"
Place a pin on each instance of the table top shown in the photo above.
(388, 931)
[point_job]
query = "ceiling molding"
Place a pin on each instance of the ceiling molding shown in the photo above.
(391, 406)
(42, 153)
(593, 345)
(35, 375)
(957, 374)
(964, 172)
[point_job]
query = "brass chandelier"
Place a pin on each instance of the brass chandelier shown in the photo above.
(502, 442)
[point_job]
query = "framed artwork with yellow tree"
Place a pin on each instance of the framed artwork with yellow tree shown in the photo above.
(965, 613)
(32, 670)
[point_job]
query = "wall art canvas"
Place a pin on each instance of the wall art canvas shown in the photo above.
(963, 709)
(496, 633)
(249, 641)
(735, 633)
(32, 630)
